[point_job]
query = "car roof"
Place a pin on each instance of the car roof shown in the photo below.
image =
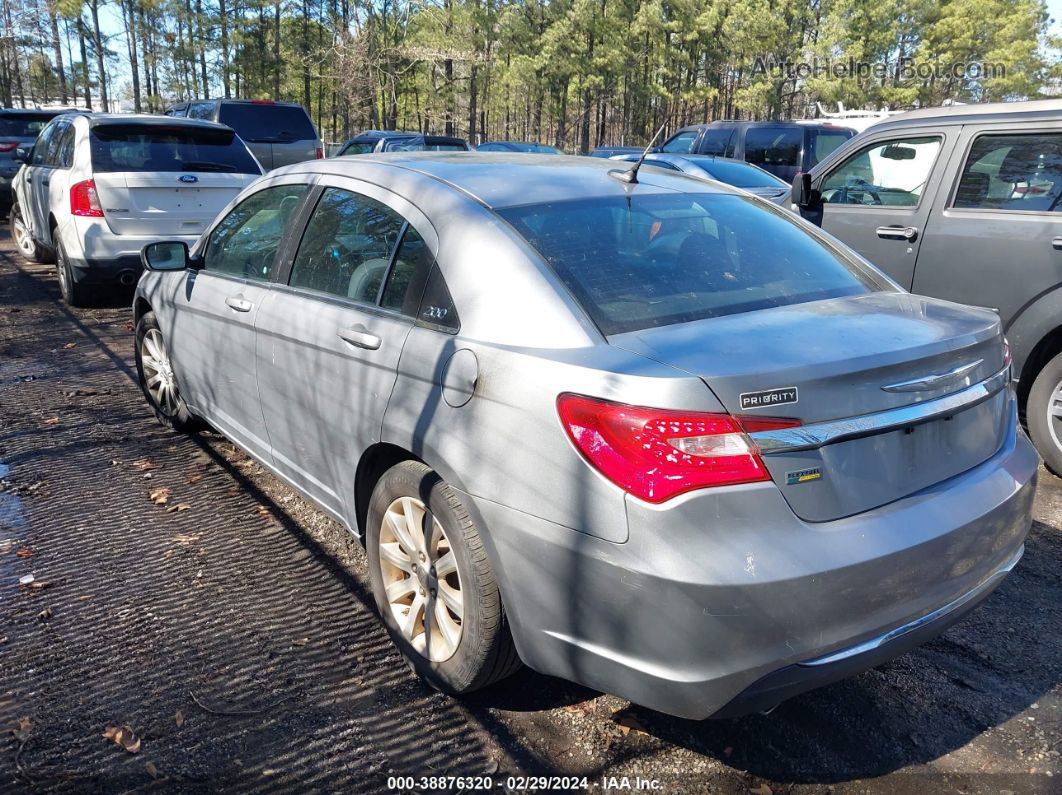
(376, 135)
(262, 102)
(1033, 110)
(98, 119)
(825, 125)
(500, 179)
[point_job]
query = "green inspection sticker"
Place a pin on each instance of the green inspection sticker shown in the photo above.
(802, 476)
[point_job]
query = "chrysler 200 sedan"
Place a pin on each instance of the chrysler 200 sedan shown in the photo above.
(655, 436)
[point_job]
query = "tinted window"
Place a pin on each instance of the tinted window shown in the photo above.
(681, 143)
(245, 243)
(890, 173)
(715, 142)
(23, 125)
(1013, 172)
(142, 147)
(356, 148)
(415, 287)
(774, 146)
(265, 123)
(740, 175)
(64, 157)
(55, 143)
(179, 112)
(40, 147)
(822, 142)
(347, 246)
(654, 260)
(420, 145)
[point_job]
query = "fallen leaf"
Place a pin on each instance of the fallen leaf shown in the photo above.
(160, 496)
(232, 491)
(70, 345)
(186, 538)
(144, 464)
(151, 769)
(194, 478)
(52, 421)
(264, 511)
(124, 737)
(38, 585)
(300, 641)
(24, 552)
(628, 721)
(763, 789)
(179, 719)
(22, 729)
(45, 614)
(181, 506)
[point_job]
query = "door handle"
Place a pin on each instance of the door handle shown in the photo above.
(359, 337)
(1056, 243)
(238, 303)
(46, 182)
(897, 232)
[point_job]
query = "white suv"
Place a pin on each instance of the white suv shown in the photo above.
(96, 189)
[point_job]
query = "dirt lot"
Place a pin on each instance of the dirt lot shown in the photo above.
(185, 594)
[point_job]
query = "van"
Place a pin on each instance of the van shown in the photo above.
(964, 203)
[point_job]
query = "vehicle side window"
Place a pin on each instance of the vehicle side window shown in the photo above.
(347, 246)
(717, 142)
(55, 142)
(40, 147)
(245, 243)
(1012, 172)
(890, 173)
(774, 146)
(201, 110)
(181, 111)
(415, 287)
(65, 148)
(681, 143)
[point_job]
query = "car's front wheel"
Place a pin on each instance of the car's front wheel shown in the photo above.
(433, 584)
(157, 378)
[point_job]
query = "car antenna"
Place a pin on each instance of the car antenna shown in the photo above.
(630, 176)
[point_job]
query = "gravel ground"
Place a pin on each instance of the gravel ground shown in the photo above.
(224, 627)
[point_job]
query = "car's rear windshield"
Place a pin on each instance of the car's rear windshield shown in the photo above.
(141, 147)
(740, 175)
(264, 123)
(659, 259)
(23, 125)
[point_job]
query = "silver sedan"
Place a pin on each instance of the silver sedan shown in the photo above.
(648, 433)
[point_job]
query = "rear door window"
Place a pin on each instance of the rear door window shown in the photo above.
(1012, 172)
(267, 123)
(889, 173)
(821, 143)
(347, 246)
(658, 259)
(143, 147)
(245, 242)
(774, 146)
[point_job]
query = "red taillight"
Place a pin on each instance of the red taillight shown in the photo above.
(319, 153)
(656, 454)
(84, 201)
(8, 146)
(263, 102)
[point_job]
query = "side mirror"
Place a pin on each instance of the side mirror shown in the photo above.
(22, 154)
(169, 255)
(804, 194)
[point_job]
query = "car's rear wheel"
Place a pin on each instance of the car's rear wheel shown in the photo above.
(1043, 414)
(30, 250)
(433, 584)
(157, 378)
(74, 292)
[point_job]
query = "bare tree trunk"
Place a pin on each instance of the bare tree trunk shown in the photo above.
(128, 17)
(84, 62)
(448, 70)
(58, 47)
(147, 59)
(202, 47)
(224, 47)
(277, 66)
(306, 97)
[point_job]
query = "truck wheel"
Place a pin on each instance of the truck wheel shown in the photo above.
(433, 584)
(1043, 414)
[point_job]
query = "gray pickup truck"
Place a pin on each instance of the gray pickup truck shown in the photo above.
(964, 203)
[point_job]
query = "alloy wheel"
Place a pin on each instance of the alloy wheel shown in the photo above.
(158, 374)
(1054, 415)
(21, 235)
(421, 580)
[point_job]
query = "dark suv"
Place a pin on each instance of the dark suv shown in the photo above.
(784, 148)
(277, 133)
(18, 129)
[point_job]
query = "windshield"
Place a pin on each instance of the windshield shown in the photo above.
(660, 259)
(740, 175)
(265, 123)
(24, 125)
(136, 147)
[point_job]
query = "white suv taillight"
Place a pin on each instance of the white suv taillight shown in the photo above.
(84, 200)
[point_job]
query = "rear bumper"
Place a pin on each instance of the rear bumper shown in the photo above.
(725, 600)
(98, 256)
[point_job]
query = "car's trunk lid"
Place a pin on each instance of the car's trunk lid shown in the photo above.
(830, 360)
(166, 203)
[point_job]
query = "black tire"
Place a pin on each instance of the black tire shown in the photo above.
(74, 292)
(1048, 441)
(178, 417)
(29, 249)
(485, 652)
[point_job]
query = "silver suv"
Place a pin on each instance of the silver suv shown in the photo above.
(964, 203)
(277, 133)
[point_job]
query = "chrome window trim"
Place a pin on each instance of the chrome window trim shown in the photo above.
(808, 437)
